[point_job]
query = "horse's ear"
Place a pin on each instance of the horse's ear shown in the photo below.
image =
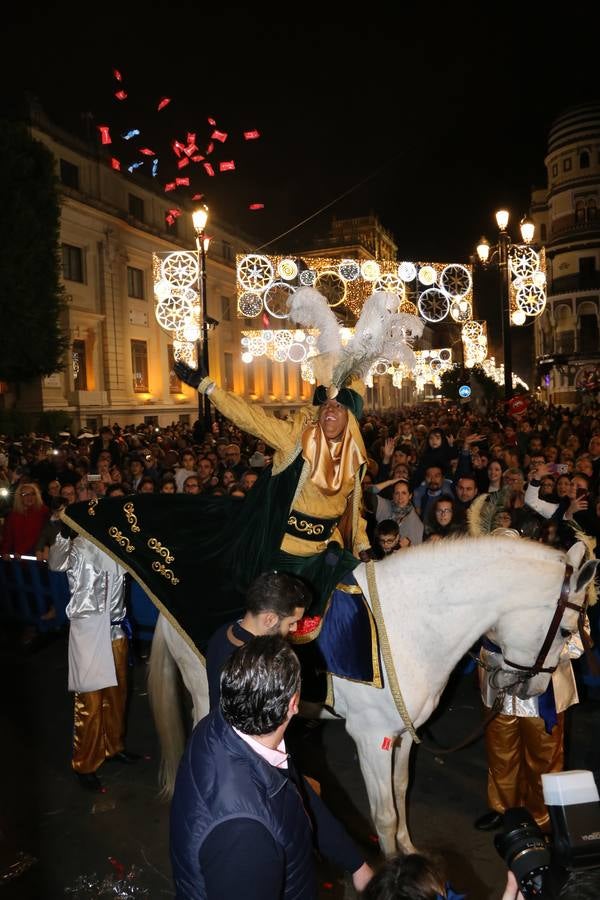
(576, 554)
(586, 574)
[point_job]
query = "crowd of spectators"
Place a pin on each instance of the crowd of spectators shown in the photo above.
(426, 464)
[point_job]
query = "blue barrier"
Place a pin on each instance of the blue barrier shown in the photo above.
(29, 589)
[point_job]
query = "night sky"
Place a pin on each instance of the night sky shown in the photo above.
(424, 118)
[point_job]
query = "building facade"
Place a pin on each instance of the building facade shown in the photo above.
(567, 218)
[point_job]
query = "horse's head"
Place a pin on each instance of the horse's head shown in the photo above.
(533, 636)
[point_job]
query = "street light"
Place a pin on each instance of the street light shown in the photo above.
(522, 282)
(200, 218)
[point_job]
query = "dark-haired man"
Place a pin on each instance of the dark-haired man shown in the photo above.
(275, 603)
(244, 822)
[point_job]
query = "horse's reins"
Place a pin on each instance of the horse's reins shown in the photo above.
(562, 604)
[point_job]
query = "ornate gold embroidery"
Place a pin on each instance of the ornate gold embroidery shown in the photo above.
(92, 506)
(306, 527)
(121, 539)
(166, 573)
(158, 548)
(131, 516)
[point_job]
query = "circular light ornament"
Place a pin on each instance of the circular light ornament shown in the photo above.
(172, 312)
(283, 338)
(539, 279)
(524, 261)
(445, 354)
(380, 367)
(435, 364)
(518, 317)
(247, 357)
(307, 277)
(472, 329)
(434, 304)
(427, 275)
(281, 354)
(179, 269)
(255, 272)
(370, 270)
(250, 304)
(456, 280)
(461, 311)
(245, 341)
(531, 299)
(191, 331)
(162, 289)
(299, 336)
(185, 352)
(332, 286)
(311, 339)
(297, 353)
(349, 269)
(407, 271)
(391, 283)
(287, 269)
(276, 299)
(257, 346)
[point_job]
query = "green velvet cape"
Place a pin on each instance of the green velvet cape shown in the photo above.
(195, 556)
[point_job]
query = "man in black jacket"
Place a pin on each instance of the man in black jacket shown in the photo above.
(244, 822)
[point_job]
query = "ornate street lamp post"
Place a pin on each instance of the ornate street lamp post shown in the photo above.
(200, 218)
(522, 282)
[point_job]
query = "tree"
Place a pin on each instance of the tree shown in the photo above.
(32, 341)
(484, 390)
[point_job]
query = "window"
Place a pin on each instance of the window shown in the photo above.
(151, 420)
(588, 333)
(591, 211)
(567, 165)
(227, 250)
(579, 212)
(136, 207)
(79, 363)
(228, 366)
(69, 174)
(91, 425)
(587, 265)
(565, 341)
(139, 366)
(555, 170)
(184, 418)
(249, 377)
(225, 309)
(174, 381)
(584, 160)
(72, 263)
(135, 283)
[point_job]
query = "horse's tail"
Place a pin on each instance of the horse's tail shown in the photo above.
(166, 708)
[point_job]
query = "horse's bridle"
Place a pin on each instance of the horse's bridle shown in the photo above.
(562, 604)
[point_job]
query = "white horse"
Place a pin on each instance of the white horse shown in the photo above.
(436, 600)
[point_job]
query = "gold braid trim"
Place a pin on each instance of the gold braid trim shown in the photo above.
(161, 608)
(387, 653)
(287, 460)
(301, 481)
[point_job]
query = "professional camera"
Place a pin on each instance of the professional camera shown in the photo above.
(574, 807)
(522, 846)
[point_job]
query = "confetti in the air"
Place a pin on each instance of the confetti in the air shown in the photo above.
(182, 182)
(210, 148)
(219, 136)
(208, 169)
(130, 134)
(117, 75)
(254, 206)
(251, 135)
(115, 164)
(227, 166)
(183, 162)
(147, 151)
(211, 121)
(131, 169)
(197, 158)
(154, 168)
(163, 102)
(105, 134)
(171, 186)
(121, 95)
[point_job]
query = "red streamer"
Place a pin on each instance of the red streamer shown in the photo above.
(208, 169)
(162, 103)
(105, 134)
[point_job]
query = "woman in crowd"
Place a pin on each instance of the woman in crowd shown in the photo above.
(494, 471)
(25, 522)
(443, 519)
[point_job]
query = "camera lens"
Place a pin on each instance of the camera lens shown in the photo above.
(522, 847)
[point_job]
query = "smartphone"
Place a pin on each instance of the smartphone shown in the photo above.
(94, 477)
(581, 492)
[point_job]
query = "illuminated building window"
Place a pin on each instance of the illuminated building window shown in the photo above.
(79, 363)
(72, 263)
(135, 283)
(139, 366)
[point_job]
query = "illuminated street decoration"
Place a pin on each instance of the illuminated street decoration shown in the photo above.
(527, 283)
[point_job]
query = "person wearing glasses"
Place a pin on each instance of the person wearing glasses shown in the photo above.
(444, 519)
(24, 523)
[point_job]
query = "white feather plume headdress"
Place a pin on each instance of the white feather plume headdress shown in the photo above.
(380, 333)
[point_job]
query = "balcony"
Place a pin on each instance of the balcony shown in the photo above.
(573, 284)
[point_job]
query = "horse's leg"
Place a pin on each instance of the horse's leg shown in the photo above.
(402, 750)
(165, 705)
(376, 768)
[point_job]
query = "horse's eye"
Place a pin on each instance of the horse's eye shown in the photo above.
(564, 632)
